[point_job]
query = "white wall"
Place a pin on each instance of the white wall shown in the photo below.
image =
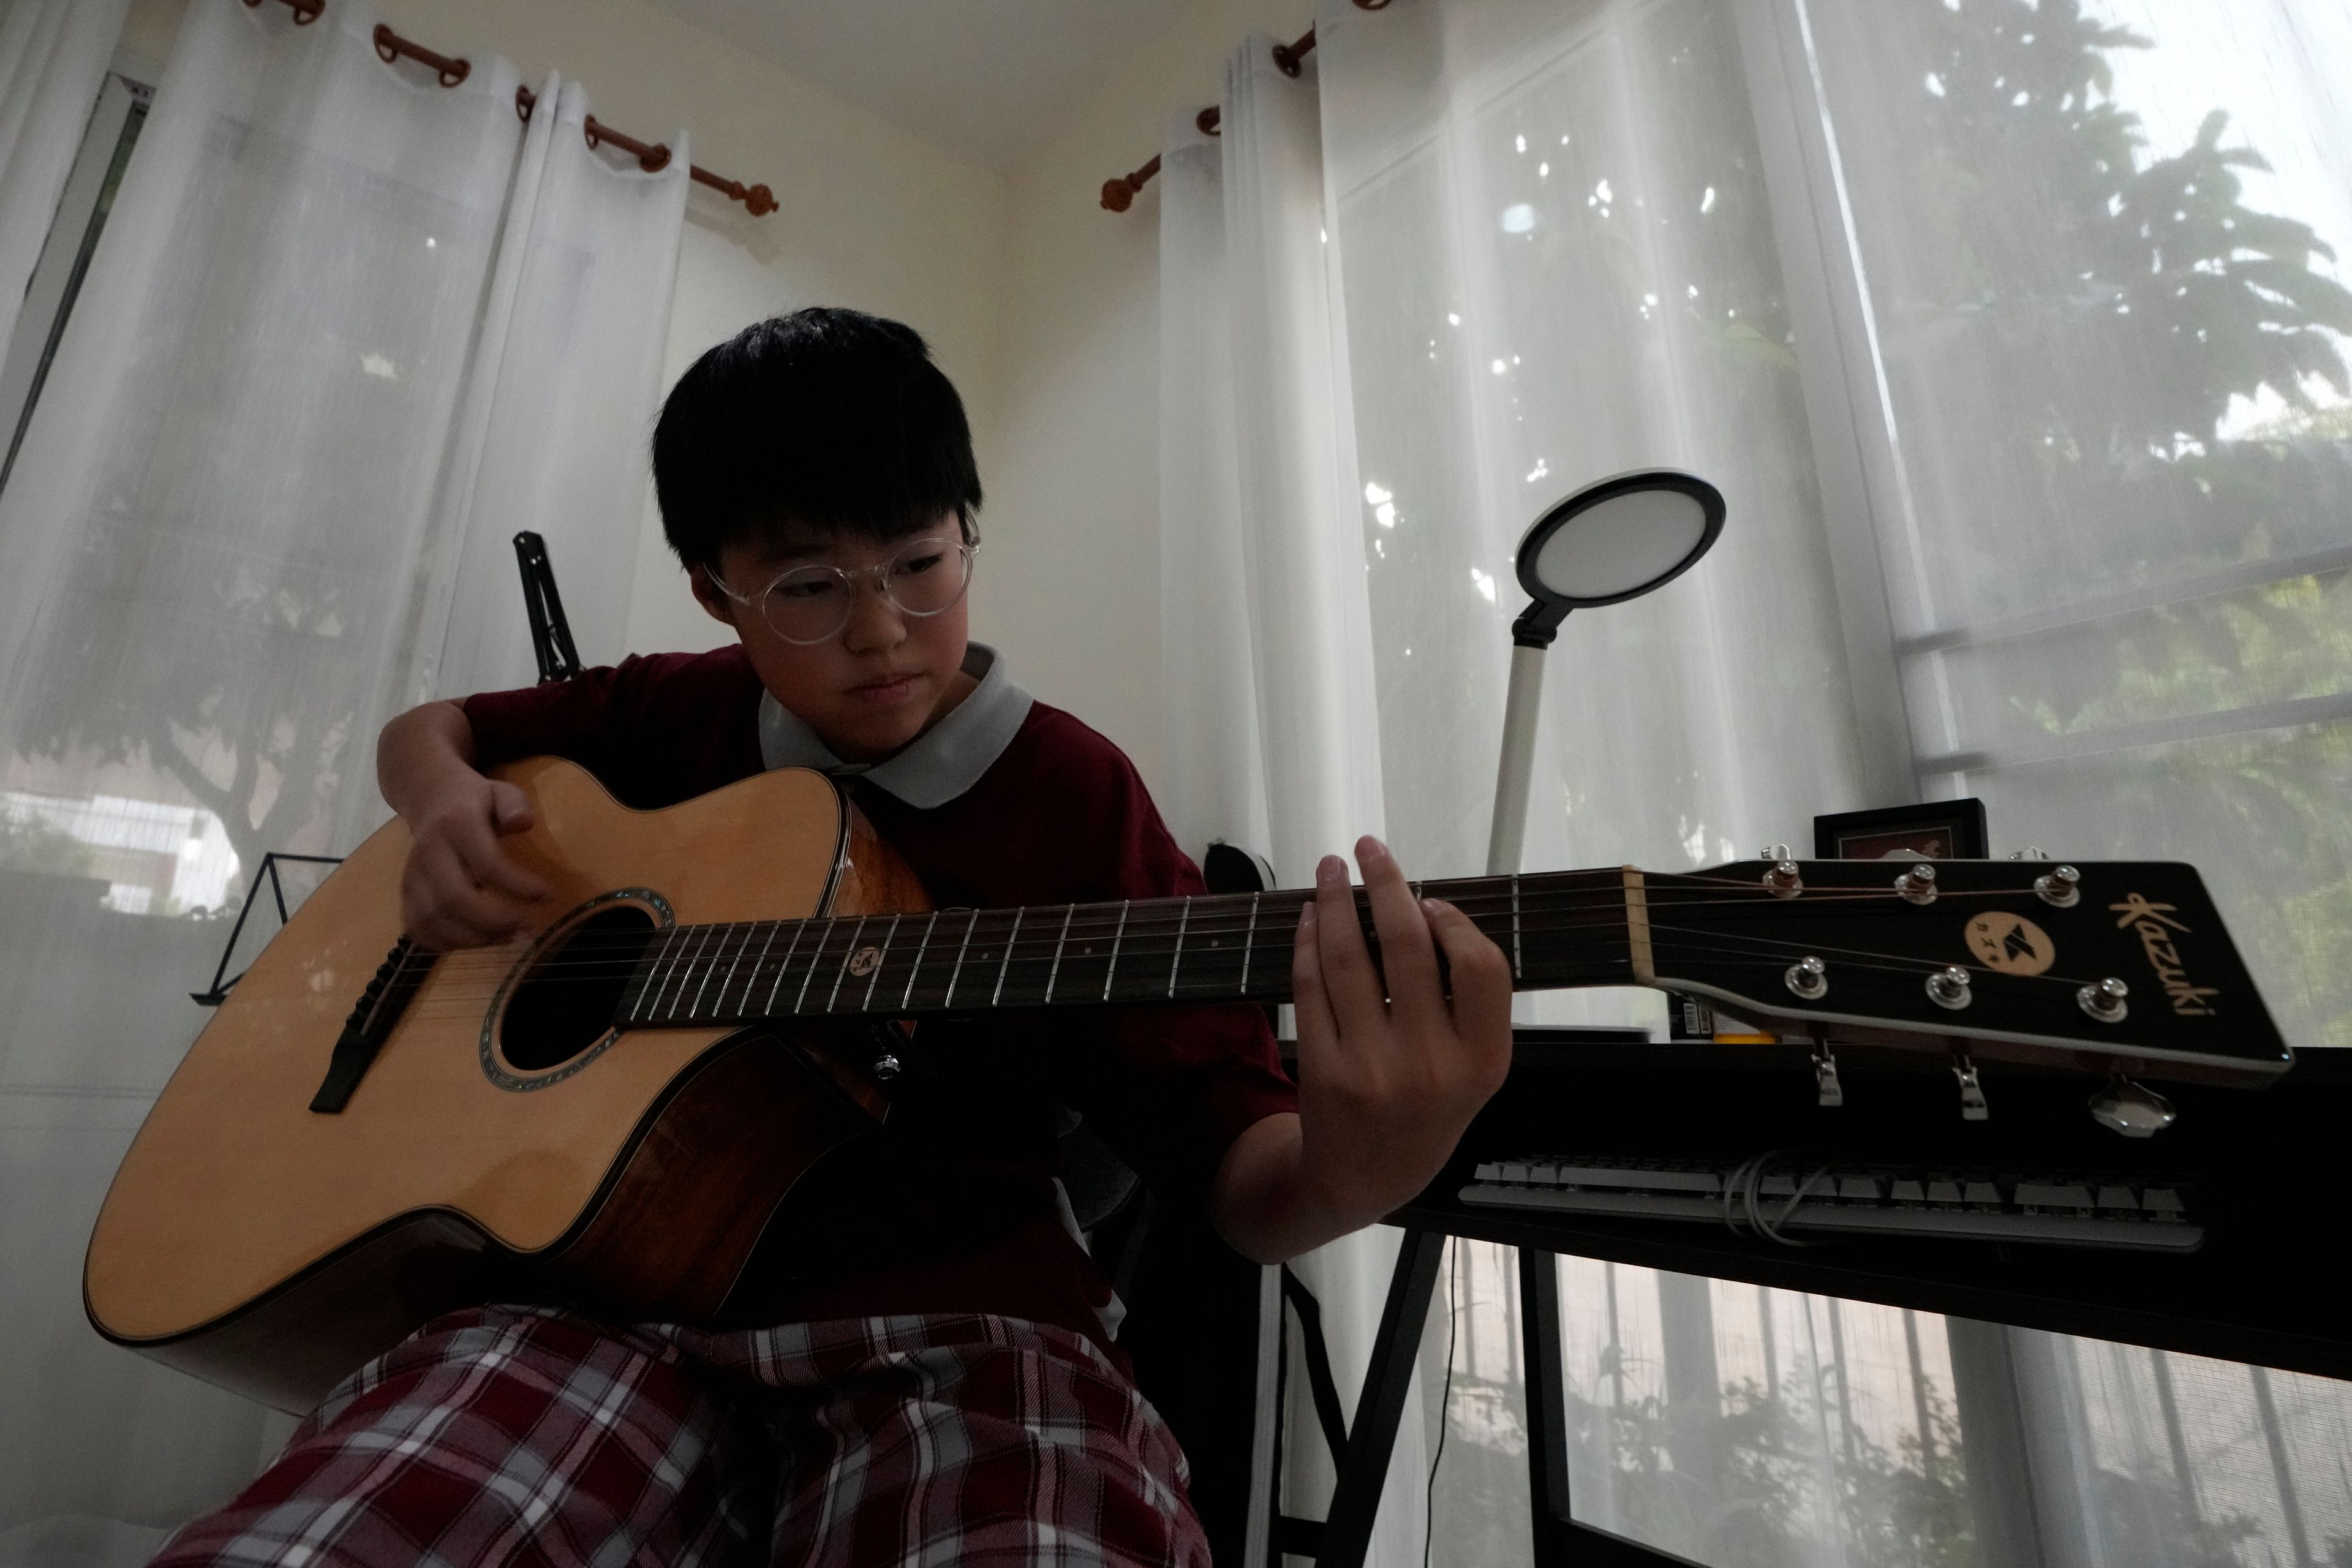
(1071, 574)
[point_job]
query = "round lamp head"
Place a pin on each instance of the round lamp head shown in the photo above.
(1614, 540)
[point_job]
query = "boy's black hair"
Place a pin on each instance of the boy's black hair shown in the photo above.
(826, 418)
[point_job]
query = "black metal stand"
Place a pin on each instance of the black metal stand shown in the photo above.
(1347, 1535)
(217, 992)
(550, 633)
(1547, 1405)
(1347, 1532)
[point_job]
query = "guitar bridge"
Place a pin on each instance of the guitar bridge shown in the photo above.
(379, 1009)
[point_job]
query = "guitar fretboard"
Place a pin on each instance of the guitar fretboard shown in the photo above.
(1561, 929)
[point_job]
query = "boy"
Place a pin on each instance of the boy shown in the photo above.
(917, 1365)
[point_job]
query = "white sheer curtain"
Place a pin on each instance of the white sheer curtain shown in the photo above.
(2032, 417)
(1559, 265)
(559, 404)
(226, 551)
(2098, 265)
(1272, 722)
(53, 54)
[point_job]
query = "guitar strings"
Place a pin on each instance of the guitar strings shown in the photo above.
(1163, 921)
(717, 941)
(1731, 949)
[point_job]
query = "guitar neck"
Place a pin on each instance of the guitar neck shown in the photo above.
(1559, 929)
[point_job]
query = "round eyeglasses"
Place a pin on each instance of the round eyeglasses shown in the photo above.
(812, 604)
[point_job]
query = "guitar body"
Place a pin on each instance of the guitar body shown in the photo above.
(487, 1151)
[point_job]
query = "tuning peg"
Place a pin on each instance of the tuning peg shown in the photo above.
(1825, 1076)
(2106, 1000)
(1773, 852)
(886, 1066)
(1917, 883)
(2030, 853)
(2133, 1110)
(1808, 977)
(2061, 886)
(1973, 1107)
(1948, 988)
(1781, 878)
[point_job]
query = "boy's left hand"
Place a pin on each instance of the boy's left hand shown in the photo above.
(1390, 1069)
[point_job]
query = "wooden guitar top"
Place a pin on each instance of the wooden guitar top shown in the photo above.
(234, 1186)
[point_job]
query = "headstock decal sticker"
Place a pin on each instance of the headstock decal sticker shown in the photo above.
(2154, 925)
(2010, 944)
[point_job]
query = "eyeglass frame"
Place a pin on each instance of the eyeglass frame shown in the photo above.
(967, 546)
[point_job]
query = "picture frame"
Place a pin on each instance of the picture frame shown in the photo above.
(1932, 830)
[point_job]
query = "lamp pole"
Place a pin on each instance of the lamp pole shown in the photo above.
(1531, 638)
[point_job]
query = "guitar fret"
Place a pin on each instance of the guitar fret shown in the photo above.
(801, 999)
(1010, 938)
(685, 966)
(718, 950)
(957, 974)
(743, 1007)
(718, 1001)
(847, 951)
(1176, 957)
(1059, 942)
(647, 988)
(785, 965)
(1249, 940)
(679, 935)
(1117, 937)
(726, 982)
(1518, 954)
(921, 948)
(880, 962)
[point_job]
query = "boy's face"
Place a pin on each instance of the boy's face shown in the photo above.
(879, 682)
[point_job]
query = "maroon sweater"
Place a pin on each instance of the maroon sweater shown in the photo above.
(951, 1207)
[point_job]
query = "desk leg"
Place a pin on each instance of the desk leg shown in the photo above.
(1372, 1437)
(1547, 1404)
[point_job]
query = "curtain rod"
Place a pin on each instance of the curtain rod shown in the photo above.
(652, 157)
(1118, 193)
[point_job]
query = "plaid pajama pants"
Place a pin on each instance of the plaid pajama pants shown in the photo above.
(530, 1435)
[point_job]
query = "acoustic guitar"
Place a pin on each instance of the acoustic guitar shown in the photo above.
(614, 1104)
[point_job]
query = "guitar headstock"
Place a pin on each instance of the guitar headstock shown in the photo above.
(2103, 965)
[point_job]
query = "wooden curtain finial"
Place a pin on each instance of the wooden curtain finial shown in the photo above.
(1118, 194)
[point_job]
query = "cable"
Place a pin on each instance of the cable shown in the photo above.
(1743, 1212)
(1444, 1399)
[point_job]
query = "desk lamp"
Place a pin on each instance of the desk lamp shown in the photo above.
(1614, 539)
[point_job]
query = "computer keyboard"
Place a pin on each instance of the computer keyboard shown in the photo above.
(1787, 1198)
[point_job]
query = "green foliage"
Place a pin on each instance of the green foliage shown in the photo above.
(2132, 302)
(2075, 254)
(32, 843)
(2149, 1519)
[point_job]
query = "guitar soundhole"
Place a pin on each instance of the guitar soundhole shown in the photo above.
(568, 1000)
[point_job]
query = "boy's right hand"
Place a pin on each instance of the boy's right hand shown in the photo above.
(460, 886)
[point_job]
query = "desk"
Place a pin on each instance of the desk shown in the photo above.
(2263, 1163)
